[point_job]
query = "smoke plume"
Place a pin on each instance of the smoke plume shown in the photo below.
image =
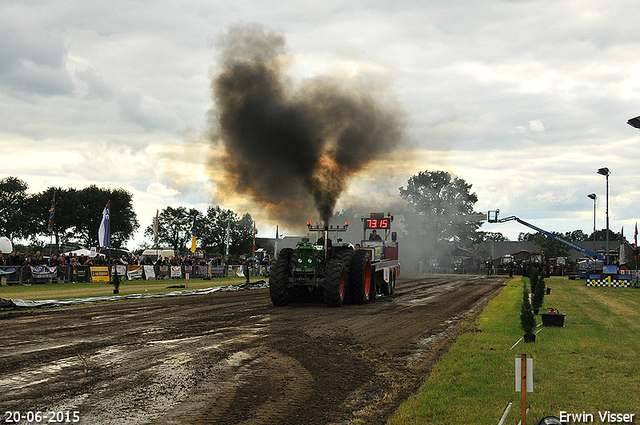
(287, 145)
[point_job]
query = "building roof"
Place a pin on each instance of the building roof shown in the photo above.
(495, 249)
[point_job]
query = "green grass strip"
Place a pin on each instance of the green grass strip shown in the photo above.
(62, 291)
(591, 365)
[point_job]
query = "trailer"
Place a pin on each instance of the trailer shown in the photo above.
(383, 252)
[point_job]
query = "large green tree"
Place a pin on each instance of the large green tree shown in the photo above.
(217, 222)
(87, 215)
(65, 218)
(77, 213)
(14, 220)
(443, 204)
(174, 229)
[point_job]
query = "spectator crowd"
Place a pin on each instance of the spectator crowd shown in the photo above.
(18, 259)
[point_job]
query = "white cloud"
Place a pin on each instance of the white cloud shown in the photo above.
(536, 125)
(157, 188)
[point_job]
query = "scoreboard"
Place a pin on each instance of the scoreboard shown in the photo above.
(377, 223)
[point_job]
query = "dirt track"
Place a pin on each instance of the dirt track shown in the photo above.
(232, 358)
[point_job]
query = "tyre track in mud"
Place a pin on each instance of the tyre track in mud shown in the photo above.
(233, 358)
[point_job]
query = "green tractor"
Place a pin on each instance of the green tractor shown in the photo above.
(335, 273)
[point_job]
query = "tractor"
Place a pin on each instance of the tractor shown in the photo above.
(333, 272)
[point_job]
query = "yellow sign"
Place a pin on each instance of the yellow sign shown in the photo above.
(99, 274)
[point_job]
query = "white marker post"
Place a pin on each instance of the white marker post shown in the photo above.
(524, 379)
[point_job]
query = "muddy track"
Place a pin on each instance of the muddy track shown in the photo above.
(233, 358)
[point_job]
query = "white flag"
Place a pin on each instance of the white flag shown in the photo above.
(104, 235)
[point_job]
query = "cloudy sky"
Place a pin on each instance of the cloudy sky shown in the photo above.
(525, 100)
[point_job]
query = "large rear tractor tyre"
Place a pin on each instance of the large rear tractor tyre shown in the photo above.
(360, 277)
(334, 283)
(278, 277)
(346, 256)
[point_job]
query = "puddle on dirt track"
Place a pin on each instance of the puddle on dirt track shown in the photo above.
(230, 358)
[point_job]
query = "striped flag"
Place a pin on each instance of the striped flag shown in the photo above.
(52, 212)
(228, 236)
(253, 250)
(155, 230)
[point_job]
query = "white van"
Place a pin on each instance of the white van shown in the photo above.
(160, 252)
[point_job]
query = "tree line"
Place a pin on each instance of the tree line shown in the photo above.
(553, 248)
(439, 201)
(78, 213)
(212, 230)
(76, 218)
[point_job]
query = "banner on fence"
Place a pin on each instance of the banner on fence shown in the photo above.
(7, 270)
(217, 271)
(134, 272)
(99, 274)
(176, 271)
(164, 271)
(149, 272)
(44, 272)
(81, 273)
(120, 269)
(240, 271)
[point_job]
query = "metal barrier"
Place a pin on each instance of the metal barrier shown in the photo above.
(218, 271)
(22, 274)
(455, 270)
(11, 274)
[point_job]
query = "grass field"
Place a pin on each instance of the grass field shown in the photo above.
(59, 291)
(591, 365)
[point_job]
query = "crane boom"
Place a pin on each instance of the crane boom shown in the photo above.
(492, 217)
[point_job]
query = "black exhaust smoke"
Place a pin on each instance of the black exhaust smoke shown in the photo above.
(284, 146)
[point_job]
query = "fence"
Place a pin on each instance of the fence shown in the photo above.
(15, 275)
(455, 270)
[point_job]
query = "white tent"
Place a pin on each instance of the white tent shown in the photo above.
(5, 245)
(79, 252)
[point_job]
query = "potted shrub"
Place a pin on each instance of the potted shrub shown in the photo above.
(527, 319)
(537, 294)
(533, 279)
(553, 318)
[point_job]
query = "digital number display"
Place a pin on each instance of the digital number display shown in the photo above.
(376, 223)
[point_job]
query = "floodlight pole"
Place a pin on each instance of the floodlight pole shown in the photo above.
(635, 123)
(594, 197)
(605, 172)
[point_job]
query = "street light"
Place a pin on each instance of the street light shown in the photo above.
(605, 172)
(634, 122)
(594, 197)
